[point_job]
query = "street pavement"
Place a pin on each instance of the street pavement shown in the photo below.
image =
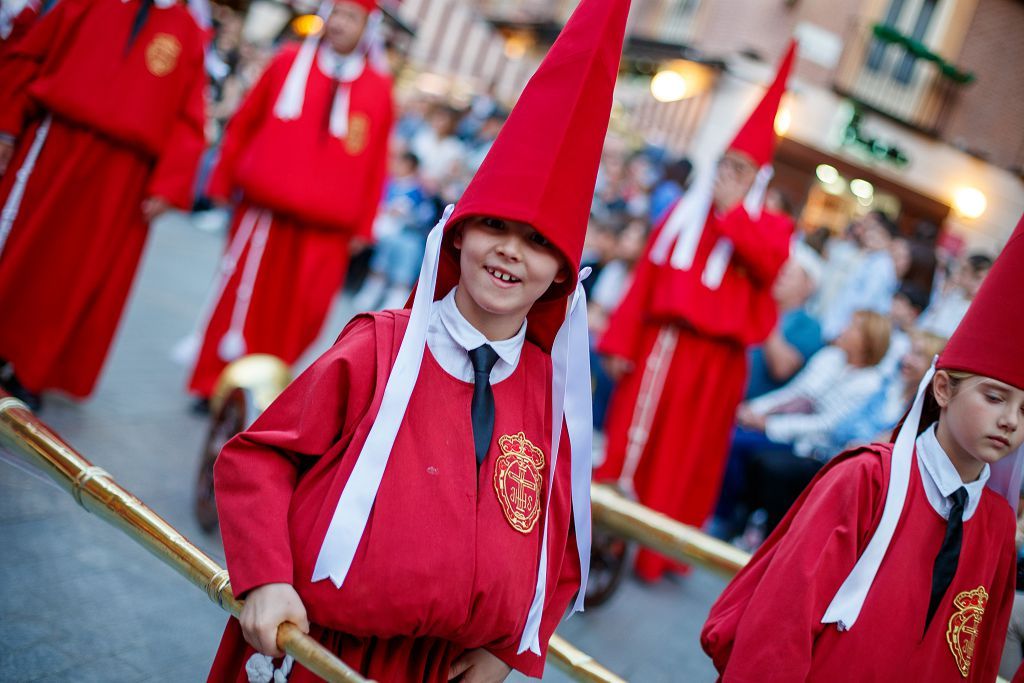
(81, 602)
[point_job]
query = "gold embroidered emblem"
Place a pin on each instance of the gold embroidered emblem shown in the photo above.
(518, 481)
(162, 54)
(358, 133)
(964, 625)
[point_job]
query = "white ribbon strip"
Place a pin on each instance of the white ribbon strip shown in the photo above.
(849, 599)
(353, 509)
(339, 112)
(717, 263)
(232, 344)
(13, 203)
(685, 224)
(186, 351)
(571, 399)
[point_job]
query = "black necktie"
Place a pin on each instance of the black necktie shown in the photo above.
(949, 554)
(482, 407)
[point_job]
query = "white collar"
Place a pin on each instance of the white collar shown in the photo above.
(345, 68)
(469, 338)
(941, 479)
(164, 4)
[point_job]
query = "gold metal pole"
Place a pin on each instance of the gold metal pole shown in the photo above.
(578, 664)
(24, 436)
(663, 534)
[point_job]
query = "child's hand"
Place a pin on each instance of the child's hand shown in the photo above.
(479, 666)
(266, 608)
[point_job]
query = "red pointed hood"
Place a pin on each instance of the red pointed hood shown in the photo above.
(542, 168)
(988, 340)
(368, 5)
(757, 136)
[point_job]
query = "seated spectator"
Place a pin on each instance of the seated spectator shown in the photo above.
(907, 304)
(797, 336)
(872, 279)
(401, 230)
(674, 180)
(949, 306)
(437, 147)
(778, 433)
(878, 416)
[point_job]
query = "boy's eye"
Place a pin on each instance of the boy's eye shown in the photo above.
(994, 398)
(494, 223)
(540, 240)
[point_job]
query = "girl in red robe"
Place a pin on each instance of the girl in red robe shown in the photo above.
(897, 563)
(104, 102)
(375, 499)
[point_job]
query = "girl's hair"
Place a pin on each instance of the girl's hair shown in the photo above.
(876, 330)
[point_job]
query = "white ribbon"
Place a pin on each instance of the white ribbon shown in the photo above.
(232, 345)
(13, 204)
(344, 68)
(356, 502)
(571, 399)
(685, 224)
(849, 599)
(187, 349)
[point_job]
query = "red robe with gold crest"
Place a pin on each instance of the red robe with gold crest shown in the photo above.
(766, 626)
(449, 557)
(304, 194)
(669, 420)
(98, 130)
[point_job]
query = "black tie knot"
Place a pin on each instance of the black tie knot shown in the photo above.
(483, 358)
(959, 498)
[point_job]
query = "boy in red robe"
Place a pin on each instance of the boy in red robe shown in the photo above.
(700, 297)
(897, 563)
(102, 119)
(306, 154)
(434, 465)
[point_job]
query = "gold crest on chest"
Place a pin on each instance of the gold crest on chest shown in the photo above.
(162, 54)
(518, 481)
(964, 625)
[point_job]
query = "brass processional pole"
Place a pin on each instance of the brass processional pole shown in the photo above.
(24, 436)
(28, 439)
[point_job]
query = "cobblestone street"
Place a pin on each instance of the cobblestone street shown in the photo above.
(81, 602)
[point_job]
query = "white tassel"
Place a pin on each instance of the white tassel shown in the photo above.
(232, 346)
(260, 669)
(186, 351)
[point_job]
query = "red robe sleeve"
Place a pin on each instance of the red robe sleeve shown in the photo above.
(245, 123)
(174, 175)
(378, 174)
(815, 548)
(761, 246)
(23, 60)
(257, 471)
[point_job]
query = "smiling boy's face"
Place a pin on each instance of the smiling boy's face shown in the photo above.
(505, 267)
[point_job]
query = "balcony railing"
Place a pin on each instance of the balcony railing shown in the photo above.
(898, 77)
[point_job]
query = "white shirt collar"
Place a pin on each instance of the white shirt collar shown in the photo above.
(450, 337)
(344, 68)
(941, 479)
